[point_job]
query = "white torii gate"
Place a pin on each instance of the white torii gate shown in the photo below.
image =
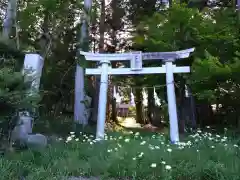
(136, 68)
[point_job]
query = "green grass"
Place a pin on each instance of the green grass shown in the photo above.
(202, 156)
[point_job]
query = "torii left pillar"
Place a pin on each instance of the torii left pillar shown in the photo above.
(102, 99)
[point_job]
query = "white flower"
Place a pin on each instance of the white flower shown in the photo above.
(137, 134)
(181, 147)
(212, 147)
(235, 145)
(162, 143)
(197, 150)
(69, 138)
(120, 137)
(72, 132)
(153, 165)
(127, 140)
(115, 149)
(168, 167)
(208, 127)
(169, 150)
(109, 150)
(134, 158)
(91, 143)
(119, 145)
(151, 147)
(77, 139)
(163, 162)
(141, 154)
(157, 147)
(143, 142)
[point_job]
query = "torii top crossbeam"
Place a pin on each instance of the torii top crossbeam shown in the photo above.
(145, 56)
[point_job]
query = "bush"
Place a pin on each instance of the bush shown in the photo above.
(13, 94)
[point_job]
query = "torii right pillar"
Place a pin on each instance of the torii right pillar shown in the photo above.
(172, 105)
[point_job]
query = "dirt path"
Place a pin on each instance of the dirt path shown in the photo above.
(130, 122)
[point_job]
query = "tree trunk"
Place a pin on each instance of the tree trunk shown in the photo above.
(193, 110)
(101, 50)
(79, 106)
(139, 106)
(113, 35)
(44, 39)
(182, 109)
(205, 109)
(238, 8)
(114, 110)
(10, 19)
(150, 105)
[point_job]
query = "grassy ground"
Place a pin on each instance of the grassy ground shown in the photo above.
(132, 155)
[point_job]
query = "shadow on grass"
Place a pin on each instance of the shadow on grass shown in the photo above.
(62, 126)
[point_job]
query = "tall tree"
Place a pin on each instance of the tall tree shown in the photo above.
(115, 26)
(101, 50)
(79, 105)
(10, 18)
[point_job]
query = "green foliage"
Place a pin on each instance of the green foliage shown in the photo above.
(207, 75)
(213, 31)
(13, 90)
(132, 110)
(56, 24)
(134, 156)
(14, 94)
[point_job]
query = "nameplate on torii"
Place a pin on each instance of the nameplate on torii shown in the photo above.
(136, 61)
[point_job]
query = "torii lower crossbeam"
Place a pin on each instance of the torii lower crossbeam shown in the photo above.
(129, 71)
